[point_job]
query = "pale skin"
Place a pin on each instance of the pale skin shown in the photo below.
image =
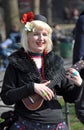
(75, 78)
(37, 42)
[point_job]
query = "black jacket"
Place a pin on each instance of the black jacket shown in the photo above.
(78, 50)
(19, 81)
(79, 106)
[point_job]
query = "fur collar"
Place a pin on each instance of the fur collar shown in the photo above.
(21, 61)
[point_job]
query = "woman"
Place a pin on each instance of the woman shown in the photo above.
(35, 71)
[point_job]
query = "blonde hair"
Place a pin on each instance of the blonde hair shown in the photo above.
(37, 25)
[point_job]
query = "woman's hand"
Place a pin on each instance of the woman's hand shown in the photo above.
(74, 75)
(43, 90)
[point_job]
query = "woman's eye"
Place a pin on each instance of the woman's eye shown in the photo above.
(44, 34)
(36, 34)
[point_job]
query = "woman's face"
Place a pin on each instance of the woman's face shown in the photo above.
(37, 40)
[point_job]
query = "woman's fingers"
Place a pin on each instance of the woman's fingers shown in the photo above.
(43, 90)
(47, 93)
(74, 76)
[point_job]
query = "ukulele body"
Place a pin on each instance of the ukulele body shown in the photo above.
(33, 102)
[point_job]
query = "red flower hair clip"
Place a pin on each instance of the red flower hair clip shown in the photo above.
(27, 17)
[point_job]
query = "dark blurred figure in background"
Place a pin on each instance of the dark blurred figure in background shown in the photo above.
(15, 35)
(10, 44)
(0, 38)
(75, 14)
(57, 34)
(78, 34)
(67, 15)
(78, 54)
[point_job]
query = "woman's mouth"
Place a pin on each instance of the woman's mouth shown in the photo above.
(40, 43)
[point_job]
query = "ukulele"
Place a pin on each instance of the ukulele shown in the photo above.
(35, 101)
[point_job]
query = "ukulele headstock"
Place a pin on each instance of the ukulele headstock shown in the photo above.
(79, 65)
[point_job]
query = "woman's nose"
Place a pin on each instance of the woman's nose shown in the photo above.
(40, 36)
